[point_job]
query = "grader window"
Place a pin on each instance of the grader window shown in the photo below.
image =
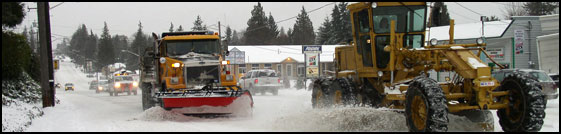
(413, 41)
(403, 17)
(382, 57)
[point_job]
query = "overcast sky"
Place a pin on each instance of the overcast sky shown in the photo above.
(122, 18)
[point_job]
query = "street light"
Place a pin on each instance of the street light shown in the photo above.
(130, 53)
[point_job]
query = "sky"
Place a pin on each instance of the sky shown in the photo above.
(123, 17)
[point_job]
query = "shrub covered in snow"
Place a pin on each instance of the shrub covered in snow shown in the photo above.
(21, 99)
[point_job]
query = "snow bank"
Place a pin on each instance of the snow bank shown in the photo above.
(17, 115)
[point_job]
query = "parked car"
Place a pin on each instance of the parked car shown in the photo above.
(555, 78)
(102, 86)
(261, 81)
(68, 86)
(549, 89)
(93, 85)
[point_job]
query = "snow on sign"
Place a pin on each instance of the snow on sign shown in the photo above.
(519, 41)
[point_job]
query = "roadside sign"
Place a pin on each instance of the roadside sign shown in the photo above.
(55, 64)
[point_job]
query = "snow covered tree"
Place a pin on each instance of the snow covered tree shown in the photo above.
(105, 54)
(120, 43)
(346, 26)
(138, 45)
(257, 31)
(303, 33)
(439, 15)
(324, 32)
(78, 45)
(93, 47)
(198, 25)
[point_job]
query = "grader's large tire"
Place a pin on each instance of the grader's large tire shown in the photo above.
(341, 92)
(147, 100)
(525, 111)
(369, 94)
(425, 106)
(320, 93)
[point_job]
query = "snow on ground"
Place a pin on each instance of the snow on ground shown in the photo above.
(84, 110)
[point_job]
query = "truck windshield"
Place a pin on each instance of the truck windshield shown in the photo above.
(178, 48)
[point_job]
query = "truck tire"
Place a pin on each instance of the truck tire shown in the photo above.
(135, 91)
(525, 111)
(425, 106)
(129, 92)
(341, 92)
(147, 100)
(110, 92)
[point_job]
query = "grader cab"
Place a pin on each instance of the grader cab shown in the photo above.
(387, 65)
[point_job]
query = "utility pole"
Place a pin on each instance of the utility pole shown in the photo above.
(47, 77)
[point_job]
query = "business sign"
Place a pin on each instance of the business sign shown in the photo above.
(496, 53)
(519, 41)
(311, 55)
(311, 49)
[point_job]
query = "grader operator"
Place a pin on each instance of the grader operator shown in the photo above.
(387, 65)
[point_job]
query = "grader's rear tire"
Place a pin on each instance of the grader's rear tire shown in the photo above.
(341, 92)
(319, 93)
(525, 112)
(425, 108)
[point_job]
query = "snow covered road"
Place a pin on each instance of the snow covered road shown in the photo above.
(84, 110)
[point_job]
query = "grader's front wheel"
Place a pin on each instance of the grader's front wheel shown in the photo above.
(525, 111)
(319, 97)
(425, 106)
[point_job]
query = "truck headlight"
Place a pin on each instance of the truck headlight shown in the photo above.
(135, 84)
(99, 88)
(117, 85)
(175, 65)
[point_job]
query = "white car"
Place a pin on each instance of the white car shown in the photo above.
(261, 81)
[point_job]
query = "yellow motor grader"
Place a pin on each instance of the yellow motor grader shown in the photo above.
(387, 65)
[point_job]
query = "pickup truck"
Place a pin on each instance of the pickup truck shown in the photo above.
(123, 83)
(261, 81)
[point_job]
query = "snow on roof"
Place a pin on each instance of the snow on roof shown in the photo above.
(277, 53)
(469, 30)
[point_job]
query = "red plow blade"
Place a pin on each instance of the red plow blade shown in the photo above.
(242, 104)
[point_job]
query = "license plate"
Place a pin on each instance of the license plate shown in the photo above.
(486, 84)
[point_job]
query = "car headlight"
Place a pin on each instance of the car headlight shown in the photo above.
(135, 84)
(117, 85)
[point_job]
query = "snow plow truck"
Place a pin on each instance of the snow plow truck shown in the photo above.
(187, 72)
(387, 65)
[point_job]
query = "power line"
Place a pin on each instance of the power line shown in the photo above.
(468, 9)
(292, 17)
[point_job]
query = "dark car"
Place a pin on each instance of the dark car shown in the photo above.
(549, 89)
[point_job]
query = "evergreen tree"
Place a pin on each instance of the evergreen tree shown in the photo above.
(12, 14)
(228, 39)
(171, 27)
(346, 26)
(439, 15)
(235, 38)
(493, 18)
(273, 32)
(105, 54)
(336, 26)
(303, 33)
(120, 43)
(78, 47)
(283, 38)
(290, 36)
(256, 33)
(138, 45)
(180, 29)
(92, 48)
(198, 25)
(540, 8)
(324, 32)
(33, 39)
